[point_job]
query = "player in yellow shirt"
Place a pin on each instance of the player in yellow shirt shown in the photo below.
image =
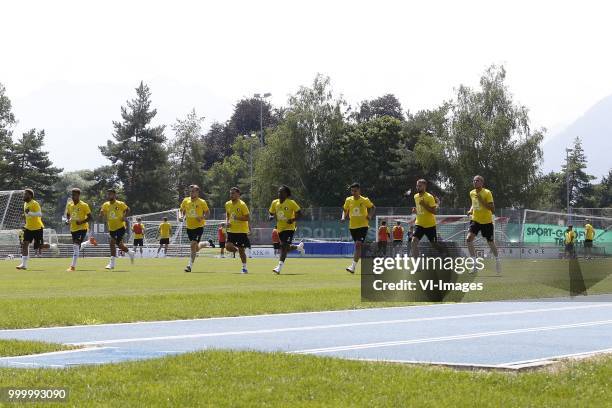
(194, 211)
(78, 215)
(115, 212)
(426, 207)
(481, 213)
(360, 211)
(589, 235)
(570, 240)
(237, 218)
(33, 230)
(165, 229)
(286, 212)
(138, 229)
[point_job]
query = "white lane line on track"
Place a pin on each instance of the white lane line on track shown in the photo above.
(448, 338)
(56, 353)
(332, 326)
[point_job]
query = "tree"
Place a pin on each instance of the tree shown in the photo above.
(82, 179)
(186, 153)
(386, 105)
(233, 170)
(604, 191)
(139, 156)
(7, 121)
(246, 117)
(218, 143)
(298, 150)
(580, 187)
(489, 135)
(29, 165)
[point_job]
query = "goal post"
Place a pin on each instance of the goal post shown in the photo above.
(11, 209)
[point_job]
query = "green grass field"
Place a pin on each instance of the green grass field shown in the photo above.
(152, 289)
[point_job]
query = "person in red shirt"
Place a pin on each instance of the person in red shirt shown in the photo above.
(398, 237)
(275, 241)
(221, 239)
(383, 237)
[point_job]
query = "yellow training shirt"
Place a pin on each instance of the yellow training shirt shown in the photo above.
(480, 213)
(32, 223)
(284, 211)
(194, 208)
(114, 213)
(233, 210)
(164, 230)
(78, 212)
(589, 232)
(424, 218)
(358, 211)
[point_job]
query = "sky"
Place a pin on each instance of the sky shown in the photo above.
(68, 66)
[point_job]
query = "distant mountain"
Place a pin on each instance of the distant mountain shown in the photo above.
(595, 130)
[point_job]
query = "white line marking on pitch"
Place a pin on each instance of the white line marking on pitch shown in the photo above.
(331, 326)
(448, 338)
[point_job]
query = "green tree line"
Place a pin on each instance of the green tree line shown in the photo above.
(317, 144)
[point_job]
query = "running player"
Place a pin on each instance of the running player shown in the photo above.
(360, 211)
(194, 211)
(78, 215)
(398, 237)
(286, 212)
(33, 229)
(237, 220)
(222, 238)
(115, 212)
(589, 234)
(164, 236)
(139, 232)
(426, 206)
(481, 212)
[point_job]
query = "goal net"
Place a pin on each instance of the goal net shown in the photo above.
(178, 232)
(451, 228)
(11, 209)
(546, 228)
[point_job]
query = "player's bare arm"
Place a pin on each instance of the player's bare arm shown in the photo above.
(298, 214)
(371, 212)
(427, 207)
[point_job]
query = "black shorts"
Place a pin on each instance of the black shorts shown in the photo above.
(221, 244)
(239, 239)
(138, 242)
(276, 245)
(569, 247)
(117, 235)
(286, 236)
(359, 234)
(430, 233)
(485, 229)
(588, 243)
(79, 236)
(164, 241)
(35, 236)
(195, 234)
